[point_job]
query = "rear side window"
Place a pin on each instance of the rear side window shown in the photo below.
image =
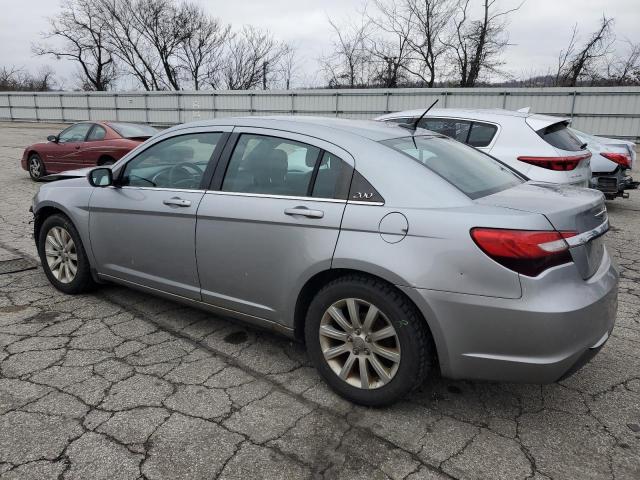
(278, 166)
(98, 133)
(270, 165)
(458, 129)
(399, 120)
(332, 178)
(481, 134)
(472, 172)
(559, 136)
(133, 130)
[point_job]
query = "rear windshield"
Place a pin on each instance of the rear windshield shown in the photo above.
(133, 130)
(474, 173)
(559, 136)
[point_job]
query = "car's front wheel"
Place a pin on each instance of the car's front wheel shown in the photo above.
(36, 167)
(367, 340)
(63, 257)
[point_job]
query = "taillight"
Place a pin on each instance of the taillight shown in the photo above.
(556, 163)
(619, 158)
(529, 252)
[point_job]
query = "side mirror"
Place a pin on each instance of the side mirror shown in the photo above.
(100, 177)
(52, 138)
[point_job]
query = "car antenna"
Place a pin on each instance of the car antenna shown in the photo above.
(414, 125)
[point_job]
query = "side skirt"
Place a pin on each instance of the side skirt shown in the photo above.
(223, 312)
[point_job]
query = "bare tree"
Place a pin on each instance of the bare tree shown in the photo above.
(17, 79)
(286, 69)
(128, 44)
(164, 26)
(201, 52)
(251, 60)
(430, 20)
(478, 44)
(577, 62)
(83, 33)
(625, 69)
(391, 46)
(348, 63)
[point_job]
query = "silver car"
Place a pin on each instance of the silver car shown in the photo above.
(392, 253)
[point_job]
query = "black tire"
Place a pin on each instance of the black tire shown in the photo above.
(36, 168)
(105, 161)
(412, 333)
(82, 281)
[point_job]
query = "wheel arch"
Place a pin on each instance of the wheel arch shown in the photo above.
(105, 158)
(44, 212)
(317, 281)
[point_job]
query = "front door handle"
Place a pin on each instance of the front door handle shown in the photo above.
(177, 202)
(305, 212)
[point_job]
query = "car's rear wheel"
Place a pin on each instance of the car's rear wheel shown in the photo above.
(105, 161)
(63, 257)
(36, 167)
(367, 340)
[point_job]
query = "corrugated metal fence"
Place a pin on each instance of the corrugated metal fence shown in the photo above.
(603, 111)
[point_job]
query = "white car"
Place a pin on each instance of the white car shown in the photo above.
(611, 164)
(540, 147)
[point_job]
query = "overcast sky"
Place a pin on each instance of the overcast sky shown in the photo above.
(538, 30)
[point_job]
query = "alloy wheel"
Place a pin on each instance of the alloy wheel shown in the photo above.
(359, 343)
(35, 167)
(62, 257)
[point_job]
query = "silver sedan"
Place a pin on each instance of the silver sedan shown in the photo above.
(393, 253)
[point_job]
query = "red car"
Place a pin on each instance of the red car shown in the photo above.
(82, 145)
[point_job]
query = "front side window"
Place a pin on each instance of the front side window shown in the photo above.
(178, 162)
(472, 172)
(270, 165)
(98, 133)
(458, 129)
(75, 133)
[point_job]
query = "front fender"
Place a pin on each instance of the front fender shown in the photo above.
(71, 197)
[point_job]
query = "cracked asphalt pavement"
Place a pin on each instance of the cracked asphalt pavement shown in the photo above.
(120, 384)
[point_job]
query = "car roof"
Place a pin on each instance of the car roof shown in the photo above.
(496, 115)
(327, 126)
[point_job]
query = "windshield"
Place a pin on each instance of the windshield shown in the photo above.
(133, 130)
(474, 173)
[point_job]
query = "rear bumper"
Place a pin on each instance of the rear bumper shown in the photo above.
(559, 321)
(613, 184)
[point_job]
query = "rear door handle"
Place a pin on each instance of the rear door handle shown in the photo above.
(305, 212)
(177, 202)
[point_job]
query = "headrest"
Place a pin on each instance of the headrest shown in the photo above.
(272, 169)
(311, 157)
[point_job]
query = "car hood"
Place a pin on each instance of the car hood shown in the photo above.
(80, 172)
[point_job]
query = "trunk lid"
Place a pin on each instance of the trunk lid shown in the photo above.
(567, 209)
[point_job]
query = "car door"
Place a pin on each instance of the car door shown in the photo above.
(94, 146)
(63, 155)
(142, 230)
(270, 221)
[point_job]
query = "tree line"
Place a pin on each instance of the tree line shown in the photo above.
(162, 45)
(427, 43)
(177, 45)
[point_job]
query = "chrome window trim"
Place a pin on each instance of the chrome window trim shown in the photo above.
(162, 189)
(585, 237)
(282, 197)
(358, 202)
